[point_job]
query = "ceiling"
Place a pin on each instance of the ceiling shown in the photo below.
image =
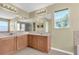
(29, 7)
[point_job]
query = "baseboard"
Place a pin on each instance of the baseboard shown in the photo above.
(63, 51)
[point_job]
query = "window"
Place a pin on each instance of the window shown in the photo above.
(61, 18)
(3, 26)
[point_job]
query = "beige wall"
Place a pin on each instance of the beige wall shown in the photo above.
(63, 38)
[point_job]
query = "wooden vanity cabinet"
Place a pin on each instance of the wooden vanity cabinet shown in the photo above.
(38, 42)
(43, 43)
(7, 45)
(21, 42)
(32, 41)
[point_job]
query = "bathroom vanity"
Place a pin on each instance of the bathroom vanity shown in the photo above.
(10, 44)
(39, 42)
(7, 45)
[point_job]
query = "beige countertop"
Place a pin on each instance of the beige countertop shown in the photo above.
(2, 35)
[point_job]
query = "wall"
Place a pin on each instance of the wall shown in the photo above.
(40, 22)
(63, 38)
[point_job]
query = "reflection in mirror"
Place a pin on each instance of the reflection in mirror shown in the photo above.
(24, 26)
(4, 25)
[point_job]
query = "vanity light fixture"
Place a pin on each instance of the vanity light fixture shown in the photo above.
(41, 11)
(6, 6)
(20, 17)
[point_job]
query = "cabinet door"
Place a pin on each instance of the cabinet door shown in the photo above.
(21, 42)
(43, 43)
(7, 45)
(35, 41)
(30, 40)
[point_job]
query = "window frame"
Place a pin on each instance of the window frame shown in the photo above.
(55, 20)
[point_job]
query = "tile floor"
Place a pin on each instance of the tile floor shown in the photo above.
(30, 51)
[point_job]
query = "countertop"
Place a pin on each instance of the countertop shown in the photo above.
(2, 35)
